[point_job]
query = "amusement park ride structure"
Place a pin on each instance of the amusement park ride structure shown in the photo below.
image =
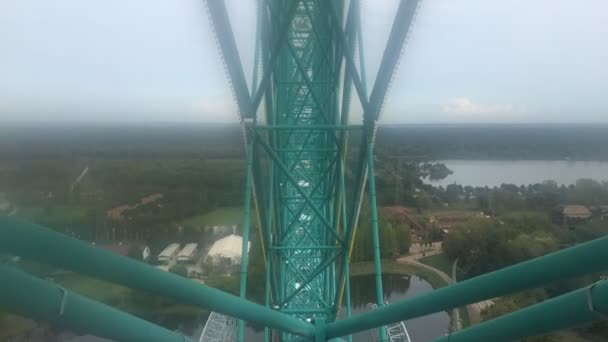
(309, 56)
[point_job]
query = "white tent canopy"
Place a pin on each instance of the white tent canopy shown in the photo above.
(228, 247)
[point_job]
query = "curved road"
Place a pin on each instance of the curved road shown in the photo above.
(474, 309)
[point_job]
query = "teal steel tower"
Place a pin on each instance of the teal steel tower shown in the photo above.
(307, 53)
(305, 183)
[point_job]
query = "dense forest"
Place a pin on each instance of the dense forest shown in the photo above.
(413, 142)
(541, 142)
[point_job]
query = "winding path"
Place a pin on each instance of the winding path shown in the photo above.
(474, 310)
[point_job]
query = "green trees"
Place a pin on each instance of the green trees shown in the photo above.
(589, 231)
(362, 248)
(589, 191)
(388, 240)
(399, 179)
(394, 237)
(481, 247)
(423, 200)
(486, 245)
(528, 246)
(510, 303)
(543, 196)
(403, 234)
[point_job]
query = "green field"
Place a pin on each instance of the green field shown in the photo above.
(55, 213)
(139, 303)
(440, 262)
(225, 216)
(100, 290)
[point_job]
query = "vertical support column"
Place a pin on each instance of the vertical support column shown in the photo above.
(269, 253)
(320, 333)
(375, 233)
(347, 294)
(346, 273)
(267, 295)
(246, 224)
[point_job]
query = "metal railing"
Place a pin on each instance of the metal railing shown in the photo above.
(28, 296)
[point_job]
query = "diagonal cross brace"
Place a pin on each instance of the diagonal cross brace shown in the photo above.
(396, 40)
(227, 44)
(304, 195)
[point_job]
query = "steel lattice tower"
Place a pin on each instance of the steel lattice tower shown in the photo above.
(306, 51)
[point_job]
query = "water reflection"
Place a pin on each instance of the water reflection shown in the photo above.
(396, 287)
(363, 288)
(518, 172)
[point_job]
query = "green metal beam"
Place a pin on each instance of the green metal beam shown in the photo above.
(346, 50)
(227, 44)
(309, 127)
(362, 68)
(293, 181)
(586, 258)
(570, 310)
(272, 58)
(34, 242)
(25, 295)
(375, 232)
(245, 244)
(396, 40)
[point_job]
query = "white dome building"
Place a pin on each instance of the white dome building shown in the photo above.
(228, 247)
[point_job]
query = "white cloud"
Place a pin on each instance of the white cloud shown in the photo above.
(466, 106)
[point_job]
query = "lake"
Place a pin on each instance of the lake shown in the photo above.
(396, 287)
(495, 172)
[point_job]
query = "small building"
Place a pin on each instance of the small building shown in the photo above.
(188, 253)
(600, 213)
(169, 253)
(575, 213)
(145, 253)
(229, 247)
(603, 212)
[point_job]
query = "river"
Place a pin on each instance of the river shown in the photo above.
(495, 172)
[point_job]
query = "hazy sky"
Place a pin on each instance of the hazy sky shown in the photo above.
(157, 60)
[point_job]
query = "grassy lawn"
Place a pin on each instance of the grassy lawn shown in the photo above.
(525, 212)
(100, 290)
(224, 216)
(440, 262)
(453, 216)
(55, 213)
(138, 303)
